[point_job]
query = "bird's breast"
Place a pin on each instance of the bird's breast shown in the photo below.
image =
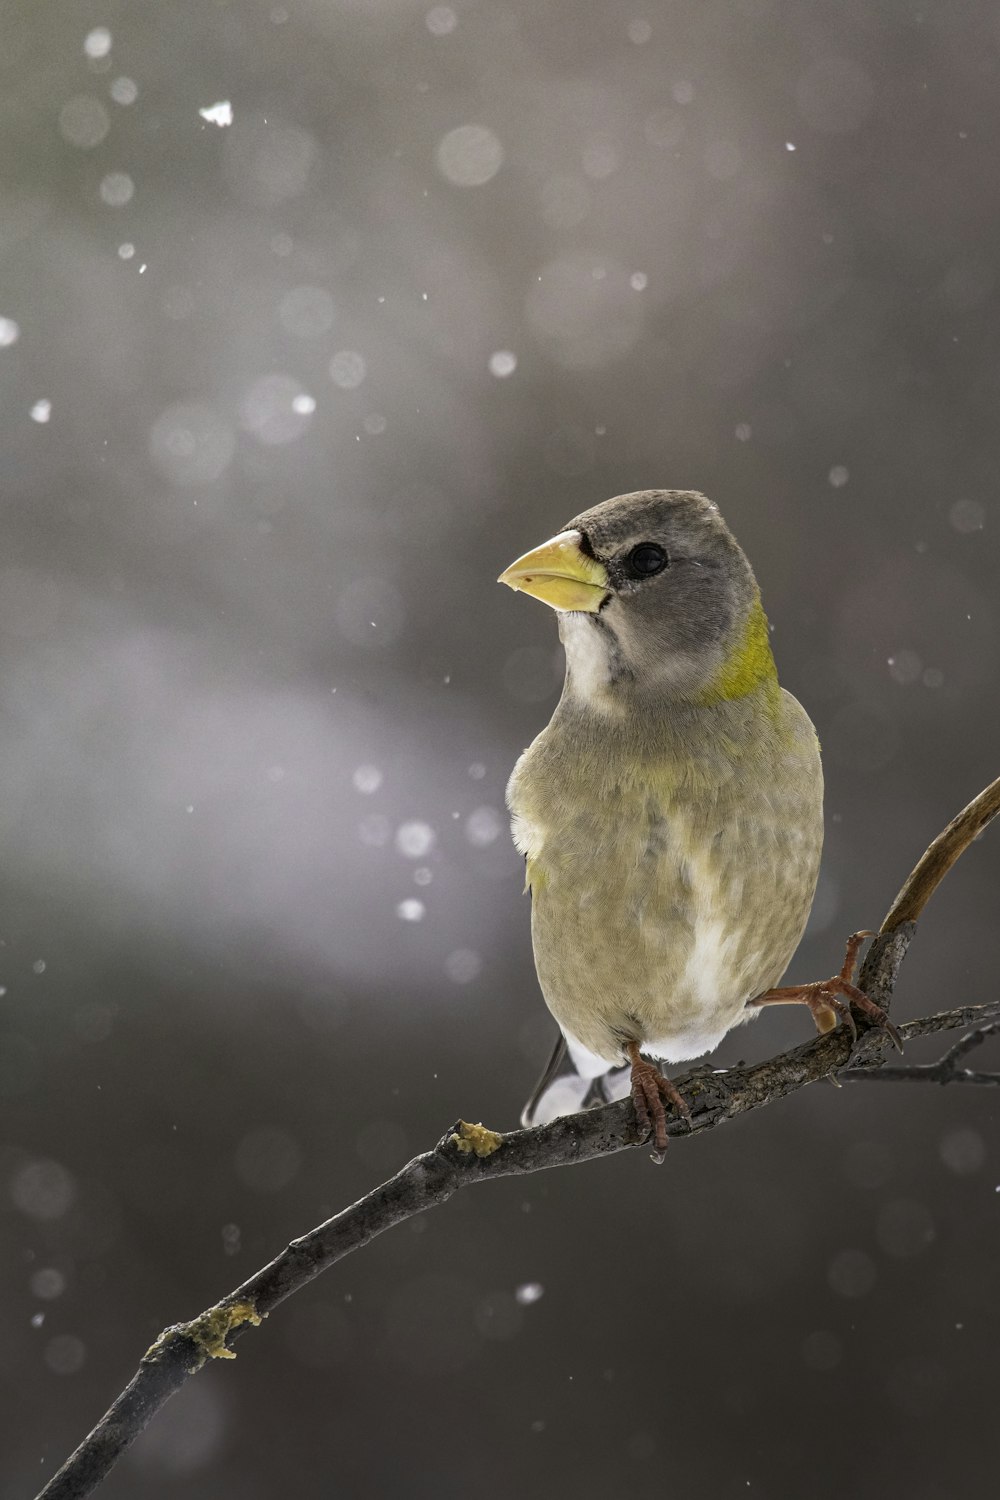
(665, 897)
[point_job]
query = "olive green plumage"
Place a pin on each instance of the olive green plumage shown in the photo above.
(671, 811)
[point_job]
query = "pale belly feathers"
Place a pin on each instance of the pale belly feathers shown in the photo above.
(666, 898)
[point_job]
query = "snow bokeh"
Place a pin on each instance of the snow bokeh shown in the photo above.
(313, 317)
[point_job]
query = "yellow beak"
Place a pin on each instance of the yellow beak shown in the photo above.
(560, 574)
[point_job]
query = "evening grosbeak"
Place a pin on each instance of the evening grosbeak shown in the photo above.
(671, 812)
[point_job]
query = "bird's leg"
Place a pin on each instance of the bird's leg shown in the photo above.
(649, 1091)
(823, 997)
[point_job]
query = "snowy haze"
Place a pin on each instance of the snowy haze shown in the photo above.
(312, 317)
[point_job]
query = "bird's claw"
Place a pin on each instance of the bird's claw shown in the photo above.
(827, 1007)
(650, 1091)
(875, 1015)
(844, 985)
(833, 1001)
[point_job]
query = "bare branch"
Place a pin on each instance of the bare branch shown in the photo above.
(945, 1070)
(470, 1153)
(934, 865)
(950, 1020)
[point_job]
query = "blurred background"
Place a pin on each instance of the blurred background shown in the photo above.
(314, 315)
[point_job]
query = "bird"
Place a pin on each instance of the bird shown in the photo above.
(671, 812)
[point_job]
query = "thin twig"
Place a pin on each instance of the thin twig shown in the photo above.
(470, 1154)
(934, 865)
(945, 1070)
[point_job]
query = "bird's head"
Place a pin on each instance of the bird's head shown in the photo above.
(655, 598)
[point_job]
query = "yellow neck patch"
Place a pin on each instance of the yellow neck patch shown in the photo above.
(749, 665)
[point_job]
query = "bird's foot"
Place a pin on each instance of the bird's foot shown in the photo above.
(834, 1000)
(650, 1089)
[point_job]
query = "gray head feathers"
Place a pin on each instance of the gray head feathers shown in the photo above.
(682, 598)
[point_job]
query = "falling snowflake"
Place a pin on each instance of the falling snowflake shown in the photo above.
(218, 114)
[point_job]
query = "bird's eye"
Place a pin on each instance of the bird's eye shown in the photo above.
(646, 559)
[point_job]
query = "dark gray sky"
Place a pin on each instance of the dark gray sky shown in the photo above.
(280, 398)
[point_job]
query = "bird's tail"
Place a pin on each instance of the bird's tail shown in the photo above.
(573, 1079)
